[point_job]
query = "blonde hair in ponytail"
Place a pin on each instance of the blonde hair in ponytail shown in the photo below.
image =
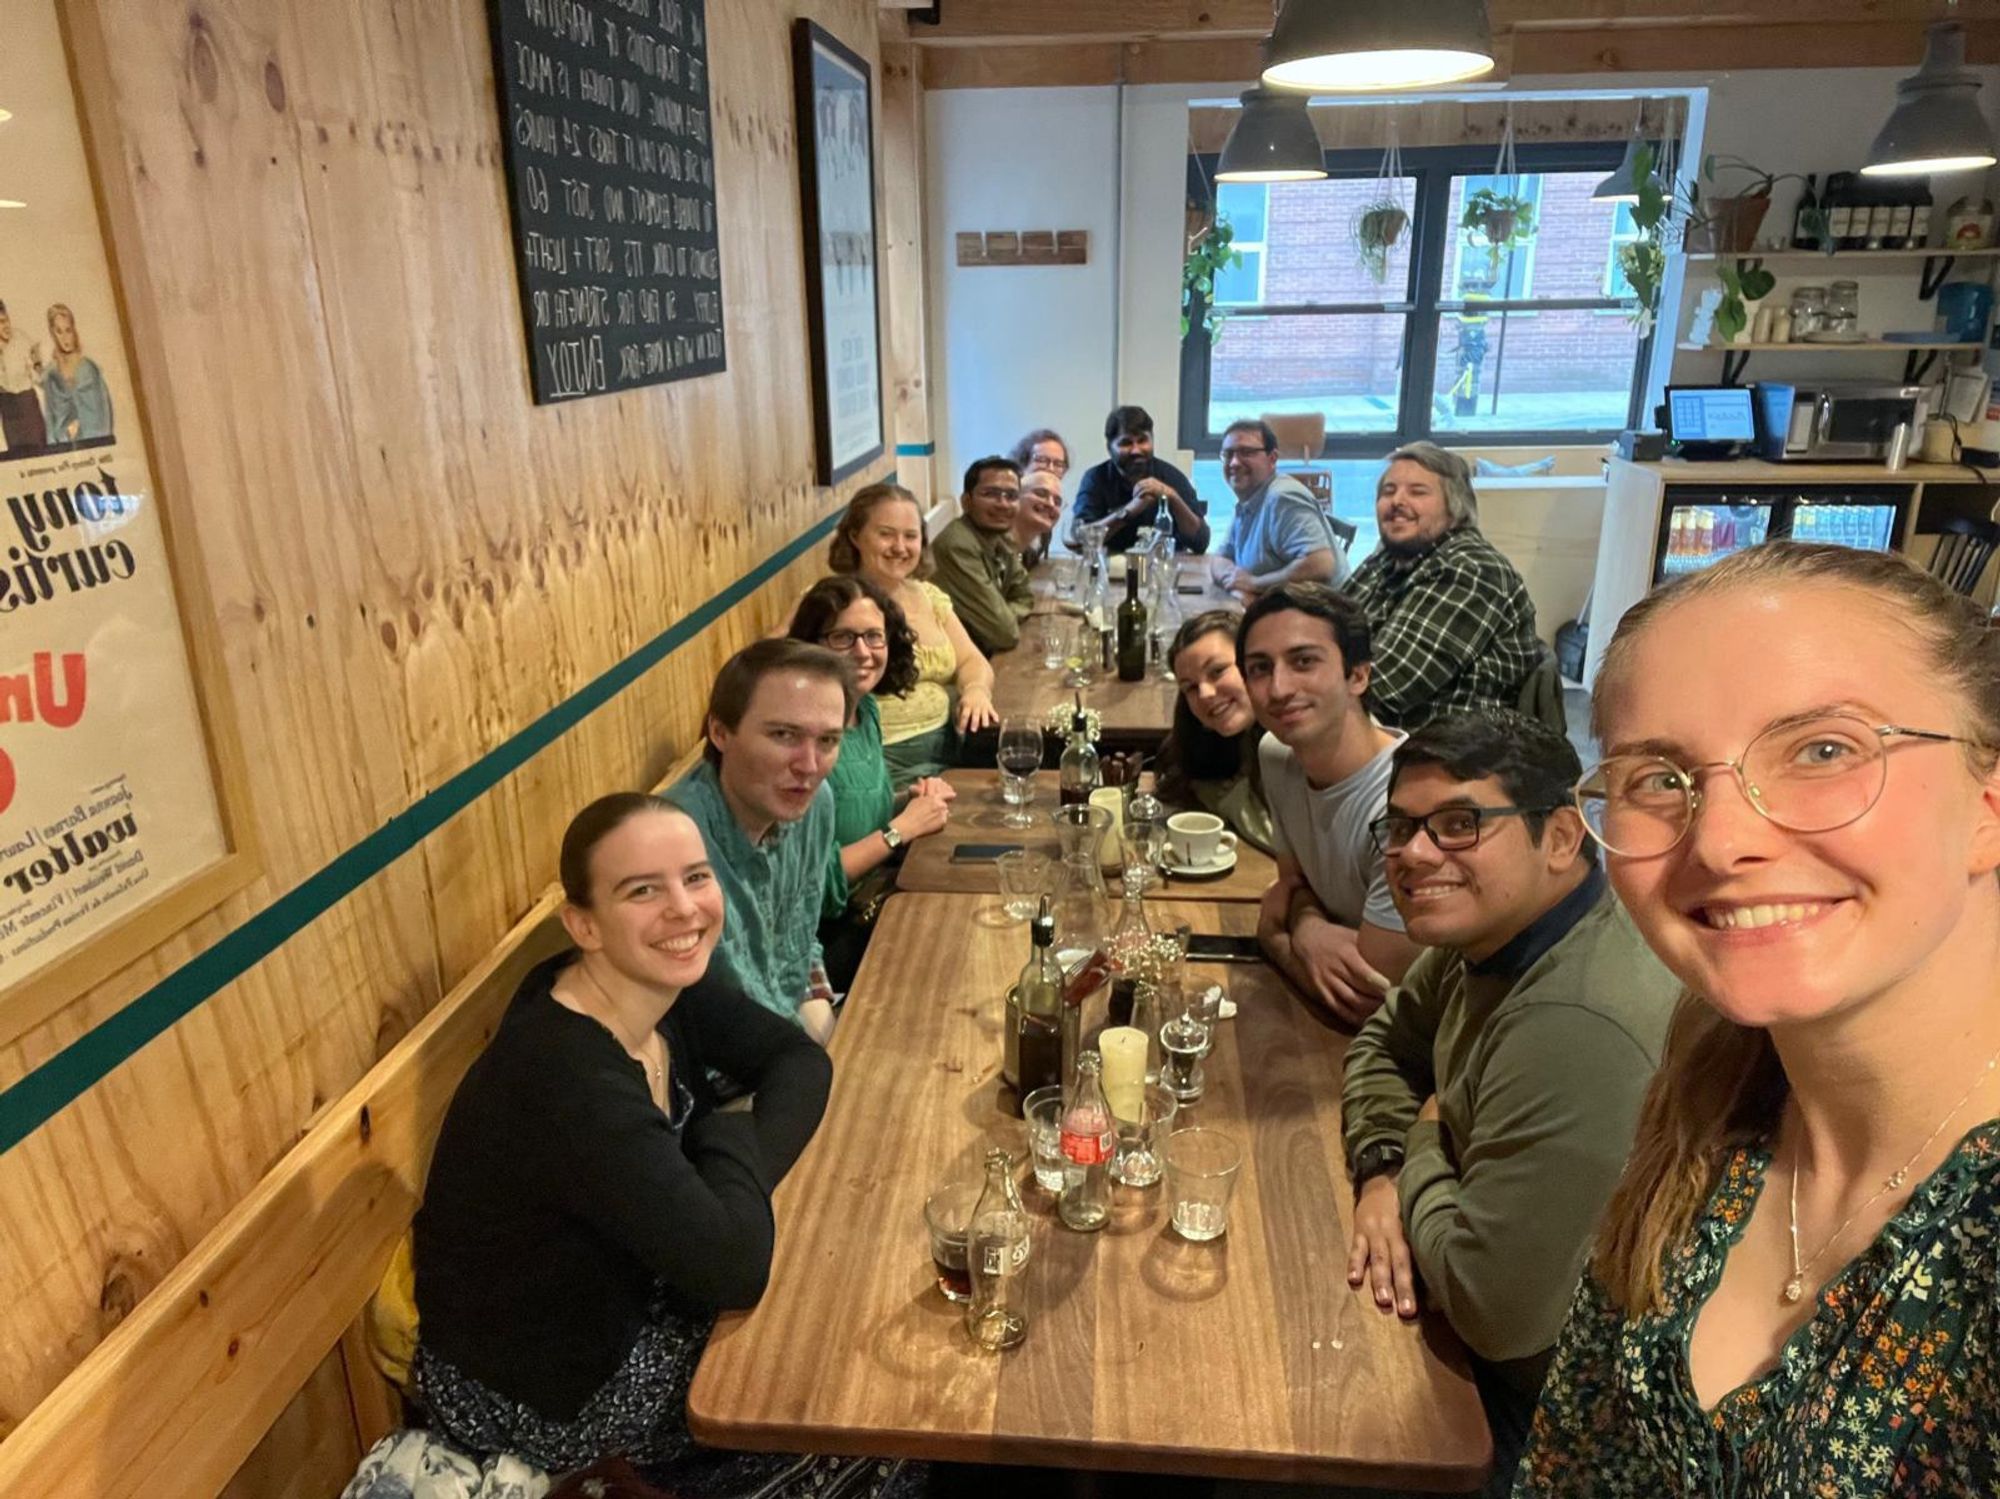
(1720, 1085)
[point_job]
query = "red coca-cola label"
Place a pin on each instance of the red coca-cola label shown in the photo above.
(1086, 1149)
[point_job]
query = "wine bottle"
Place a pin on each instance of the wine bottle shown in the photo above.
(1132, 628)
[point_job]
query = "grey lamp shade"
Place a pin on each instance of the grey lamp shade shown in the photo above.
(1622, 186)
(1353, 45)
(1273, 141)
(1937, 125)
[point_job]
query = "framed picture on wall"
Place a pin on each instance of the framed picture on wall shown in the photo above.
(836, 114)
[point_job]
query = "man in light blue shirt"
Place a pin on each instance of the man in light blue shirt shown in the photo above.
(775, 719)
(1280, 534)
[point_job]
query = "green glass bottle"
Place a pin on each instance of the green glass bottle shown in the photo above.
(1132, 628)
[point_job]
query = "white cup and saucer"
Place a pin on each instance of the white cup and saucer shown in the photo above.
(1199, 846)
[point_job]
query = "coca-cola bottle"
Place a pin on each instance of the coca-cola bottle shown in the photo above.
(1089, 1139)
(996, 1254)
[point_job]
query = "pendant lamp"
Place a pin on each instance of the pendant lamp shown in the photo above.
(1622, 186)
(1937, 125)
(1273, 140)
(1356, 45)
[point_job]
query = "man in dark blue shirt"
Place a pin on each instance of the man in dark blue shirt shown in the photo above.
(1125, 490)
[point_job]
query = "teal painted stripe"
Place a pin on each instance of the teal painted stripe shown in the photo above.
(30, 1103)
(915, 449)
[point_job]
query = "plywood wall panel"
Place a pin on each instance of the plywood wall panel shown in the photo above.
(408, 561)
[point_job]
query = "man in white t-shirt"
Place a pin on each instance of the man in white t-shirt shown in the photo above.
(1329, 923)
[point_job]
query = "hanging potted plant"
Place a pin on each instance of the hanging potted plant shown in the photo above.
(1728, 224)
(1380, 223)
(1497, 221)
(1644, 260)
(1210, 253)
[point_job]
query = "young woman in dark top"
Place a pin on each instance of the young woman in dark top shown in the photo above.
(1210, 758)
(588, 1212)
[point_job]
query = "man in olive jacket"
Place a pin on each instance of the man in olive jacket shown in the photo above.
(978, 562)
(1488, 1106)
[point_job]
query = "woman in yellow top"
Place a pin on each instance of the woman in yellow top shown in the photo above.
(881, 538)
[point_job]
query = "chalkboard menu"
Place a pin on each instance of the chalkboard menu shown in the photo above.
(611, 166)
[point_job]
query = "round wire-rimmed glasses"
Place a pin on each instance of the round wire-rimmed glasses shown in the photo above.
(1807, 775)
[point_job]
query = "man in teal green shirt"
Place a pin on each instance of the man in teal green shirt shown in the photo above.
(1488, 1106)
(775, 719)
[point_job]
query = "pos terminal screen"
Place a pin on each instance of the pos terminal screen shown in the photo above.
(1710, 413)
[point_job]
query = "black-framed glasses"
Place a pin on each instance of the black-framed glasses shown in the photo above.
(1807, 775)
(845, 640)
(1452, 829)
(1243, 450)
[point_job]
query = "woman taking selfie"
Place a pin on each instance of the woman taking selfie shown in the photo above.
(1794, 1288)
(1209, 760)
(881, 538)
(588, 1211)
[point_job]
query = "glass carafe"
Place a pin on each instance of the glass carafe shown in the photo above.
(1081, 915)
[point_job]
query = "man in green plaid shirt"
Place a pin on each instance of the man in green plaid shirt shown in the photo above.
(1451, 620)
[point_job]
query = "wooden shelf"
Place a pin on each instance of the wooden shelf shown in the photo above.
(1868, 345)
(1930, 253)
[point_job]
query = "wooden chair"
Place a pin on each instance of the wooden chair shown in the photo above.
(1301, 436)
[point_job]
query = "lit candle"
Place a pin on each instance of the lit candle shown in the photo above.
(1124, 1051)
(1112, 800)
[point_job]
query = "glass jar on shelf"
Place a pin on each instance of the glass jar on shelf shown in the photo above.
(1843, 311)
(1808, 310)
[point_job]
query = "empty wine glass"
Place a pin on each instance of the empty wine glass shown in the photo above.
(1019, 756)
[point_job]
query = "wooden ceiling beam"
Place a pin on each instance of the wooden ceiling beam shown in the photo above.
(1663, 49)
(986, 22)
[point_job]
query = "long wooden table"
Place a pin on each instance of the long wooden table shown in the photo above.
(976, 818)
(1197, 590)
(1248, 1357)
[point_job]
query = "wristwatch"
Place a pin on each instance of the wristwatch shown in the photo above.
(1376, 1160)
(893, 836)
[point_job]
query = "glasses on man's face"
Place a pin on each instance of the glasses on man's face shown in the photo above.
(846, 640)
(1452, 829)
(1052, 465)
(997, 492)
(1243, 450)
(1809, 775)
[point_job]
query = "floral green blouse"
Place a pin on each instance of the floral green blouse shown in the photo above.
(1891, 1388)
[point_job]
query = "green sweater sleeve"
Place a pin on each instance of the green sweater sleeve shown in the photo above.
(1499, 1224)
(962, 571)
(1389, 1070)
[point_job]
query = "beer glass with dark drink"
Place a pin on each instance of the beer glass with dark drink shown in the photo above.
(948, 1216)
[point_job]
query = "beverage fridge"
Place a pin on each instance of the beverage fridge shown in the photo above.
(1698, 528)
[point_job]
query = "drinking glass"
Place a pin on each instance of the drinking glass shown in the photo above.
(1201, 1176)
(1142, 1142)
(1025, 877)
(1043, 1109)
(1019, 756)
(1069, 572)
(948, 1214)
(1052, 635)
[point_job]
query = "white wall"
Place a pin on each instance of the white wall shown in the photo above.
(1019, 347)
(993, 145)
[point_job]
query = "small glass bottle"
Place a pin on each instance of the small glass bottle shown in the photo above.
(1145, 829)
(996, 1254)
(1032, 1055)
(1129, 940)
(1089, 1139)
(1079, 772)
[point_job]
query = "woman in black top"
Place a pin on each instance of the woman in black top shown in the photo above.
(1209, 760)
(588, 1212)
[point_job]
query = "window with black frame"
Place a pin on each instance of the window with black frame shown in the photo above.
(1460, 339)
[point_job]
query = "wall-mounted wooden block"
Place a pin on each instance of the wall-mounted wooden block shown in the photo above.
(1038, 247)
(971, 249)
(1023, 247)
(1003, 247)
(1072, 246)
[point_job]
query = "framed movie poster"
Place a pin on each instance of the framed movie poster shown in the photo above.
(836, 110)
(114, 831)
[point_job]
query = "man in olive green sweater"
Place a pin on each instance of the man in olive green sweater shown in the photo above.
(978, 562)
(1489, 1104)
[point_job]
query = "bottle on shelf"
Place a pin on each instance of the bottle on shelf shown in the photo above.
(1079, 772)
(1838, 205)
(1881, 216)
(1806, 222)
(1132, 629)
(1032, 1056)
(1920, 216)
(1900, 214)
(996, 1254)
(1088, 1141)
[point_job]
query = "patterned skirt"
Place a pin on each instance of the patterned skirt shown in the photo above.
(640, 1413)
